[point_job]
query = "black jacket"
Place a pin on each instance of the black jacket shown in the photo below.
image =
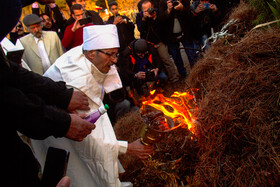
(125, 31)
(204, 21)
(151, 30)
(184, 16)
(28, 105)
(127, 64)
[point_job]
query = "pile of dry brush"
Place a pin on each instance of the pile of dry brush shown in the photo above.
(239, 112)
(238, 134)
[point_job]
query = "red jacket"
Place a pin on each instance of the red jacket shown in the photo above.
(72, 39)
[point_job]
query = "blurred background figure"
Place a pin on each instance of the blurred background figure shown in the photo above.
(96, 19)
(206, 16)
(73, 35)
(178, 25)
(51, 22)
(124, 25)
(17, 32)
(41, 48)
(152, 29)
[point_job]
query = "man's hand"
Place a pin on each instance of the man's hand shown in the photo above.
(199, 8)
(155, 71)
(79, 128)
(139, 150)
(64, 182)
(118, 20)
(146, 14)
(213, 7)
(78, 101)
(44, 2)
(179, 7)
(140, 75)
(76, 26)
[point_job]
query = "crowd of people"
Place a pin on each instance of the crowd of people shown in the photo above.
(76, 65)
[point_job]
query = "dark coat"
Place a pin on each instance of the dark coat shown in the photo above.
(127, 66)
(125, 31)
(204, 21)
(151, 30)
(184, 17)
(28, 105)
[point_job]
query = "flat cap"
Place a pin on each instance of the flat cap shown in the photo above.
(31, 19)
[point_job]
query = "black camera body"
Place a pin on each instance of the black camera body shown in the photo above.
(151, 11)
(174, 2)
(150, 76)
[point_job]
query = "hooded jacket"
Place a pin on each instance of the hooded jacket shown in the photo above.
(128, 62)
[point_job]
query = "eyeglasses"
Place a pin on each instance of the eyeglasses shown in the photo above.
(112, 55)
(19, 26)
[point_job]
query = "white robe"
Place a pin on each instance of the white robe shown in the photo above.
(94, 161)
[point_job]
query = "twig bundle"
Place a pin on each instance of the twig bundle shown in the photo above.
(239, 112)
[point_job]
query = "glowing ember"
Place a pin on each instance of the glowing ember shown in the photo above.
(180, 107)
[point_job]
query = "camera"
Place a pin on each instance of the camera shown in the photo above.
(174, 2)
(151, 11)
(150, 76)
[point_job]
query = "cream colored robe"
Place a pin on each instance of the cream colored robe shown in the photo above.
(94, 161)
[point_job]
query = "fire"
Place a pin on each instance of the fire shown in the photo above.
(180, 107)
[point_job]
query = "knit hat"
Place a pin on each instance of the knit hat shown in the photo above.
(140, 46)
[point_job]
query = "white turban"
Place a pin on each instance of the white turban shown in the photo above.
(100, 37)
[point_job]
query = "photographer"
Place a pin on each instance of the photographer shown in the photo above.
(177, 16)
(17, 32)
(95, 18)
(151, 29)
(206, 16)
(73, 35)
(124, 24)
(141, 64)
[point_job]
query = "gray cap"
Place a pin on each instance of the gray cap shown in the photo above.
(31, 19)
(140, 46)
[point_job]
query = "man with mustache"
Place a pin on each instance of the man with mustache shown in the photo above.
(90, 68)
(42, 48)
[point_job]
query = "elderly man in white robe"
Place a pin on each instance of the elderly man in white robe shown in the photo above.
(90, 68)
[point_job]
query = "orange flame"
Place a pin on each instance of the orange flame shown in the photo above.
(180, 107)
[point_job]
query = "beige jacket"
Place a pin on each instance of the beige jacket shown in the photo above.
(31, 53)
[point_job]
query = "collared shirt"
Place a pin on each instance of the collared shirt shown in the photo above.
(43, 53)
